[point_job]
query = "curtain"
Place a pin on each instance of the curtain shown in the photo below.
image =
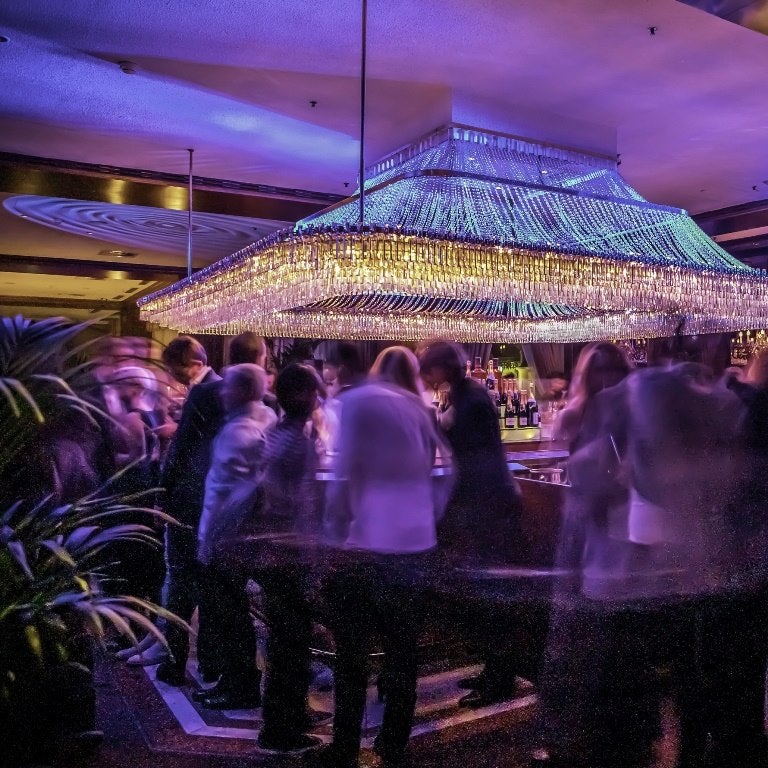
(483, 351)
(545, 359)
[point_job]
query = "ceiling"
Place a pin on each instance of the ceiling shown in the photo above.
(267, 95)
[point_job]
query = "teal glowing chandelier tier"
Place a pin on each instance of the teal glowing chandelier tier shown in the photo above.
(479, 237)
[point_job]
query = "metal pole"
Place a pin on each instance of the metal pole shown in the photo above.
(189, 218)
(361, 172)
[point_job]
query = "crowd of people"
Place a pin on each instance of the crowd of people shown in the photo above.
(659, 586)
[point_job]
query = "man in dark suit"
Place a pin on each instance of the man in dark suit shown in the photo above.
(186, 467)
(481, 525)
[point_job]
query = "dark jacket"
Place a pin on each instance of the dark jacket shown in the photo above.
(481, 522)
(189, 455)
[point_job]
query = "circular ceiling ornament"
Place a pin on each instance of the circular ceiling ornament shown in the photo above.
(142, 227)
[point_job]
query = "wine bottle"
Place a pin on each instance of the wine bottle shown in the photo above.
(533, 412)
(490, 379)
(478, 372)
(522, 412)
(510, 413)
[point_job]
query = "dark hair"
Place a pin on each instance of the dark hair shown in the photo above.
(347, 358)
(182, 350)
(247, 347)
(448, 355)
(295, 386)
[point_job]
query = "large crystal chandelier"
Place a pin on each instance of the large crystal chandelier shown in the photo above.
(477, 236)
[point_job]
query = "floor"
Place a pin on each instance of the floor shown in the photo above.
(147, 723)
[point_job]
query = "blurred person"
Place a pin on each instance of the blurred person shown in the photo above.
(395, 365)
(271, 370)
(665, 580)
(186, 360)
(344, 367)
(139, 421)
(481, 527)
(231, 488)
(600, 365)
(110, 354)
(750, 381)
(343, 370)
(288, 515)
(381, 518)
(330, 375)
(137, 453)
(564, 703)
(183, 477)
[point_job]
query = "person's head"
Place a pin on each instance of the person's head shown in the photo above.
(136, 386)
(558, 382)
(271, 371)
(111, 352)
(296, 389)
(243, 384)
(331, 378)
(248, 347)
(757, 373)
(398, 365)
(442, 361)
(345, 360)
(184, 357)
(600, 365)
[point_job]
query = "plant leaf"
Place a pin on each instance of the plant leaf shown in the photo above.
(16, 548)
(27, 395)
(5, 389)
(60, 552)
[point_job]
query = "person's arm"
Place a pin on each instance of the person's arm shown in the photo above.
(129, 438)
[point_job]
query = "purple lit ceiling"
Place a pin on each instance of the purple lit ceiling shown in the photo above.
(686, 107)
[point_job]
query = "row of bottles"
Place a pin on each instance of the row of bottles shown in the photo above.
(517, 409)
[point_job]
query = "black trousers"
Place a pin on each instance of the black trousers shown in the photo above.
(501, 622)
(375, 597)
(182, 593)
(289, 618)
(225, 602)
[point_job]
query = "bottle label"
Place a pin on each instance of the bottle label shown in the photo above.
(535, 419)
(523, 421)
(509, 421)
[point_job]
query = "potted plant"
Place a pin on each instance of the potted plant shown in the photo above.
(56, 596)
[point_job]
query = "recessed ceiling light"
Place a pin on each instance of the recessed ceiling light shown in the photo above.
(118, 253)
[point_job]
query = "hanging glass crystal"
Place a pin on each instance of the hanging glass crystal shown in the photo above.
(479, 237)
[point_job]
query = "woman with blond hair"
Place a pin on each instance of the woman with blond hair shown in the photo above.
(600, 365)
(382, 513)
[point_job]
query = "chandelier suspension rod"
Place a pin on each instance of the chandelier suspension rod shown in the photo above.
(189, 217)
(363, 56)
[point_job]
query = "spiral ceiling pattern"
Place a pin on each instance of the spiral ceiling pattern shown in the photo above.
(142, 227)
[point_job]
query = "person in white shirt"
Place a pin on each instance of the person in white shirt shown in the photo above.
(231, 486)
(382, 512)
